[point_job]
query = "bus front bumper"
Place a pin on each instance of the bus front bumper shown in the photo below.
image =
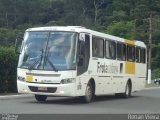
(47, 89)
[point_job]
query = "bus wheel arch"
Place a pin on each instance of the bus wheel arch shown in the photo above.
(127, 91)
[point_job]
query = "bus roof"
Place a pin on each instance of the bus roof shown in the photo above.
(85, 30)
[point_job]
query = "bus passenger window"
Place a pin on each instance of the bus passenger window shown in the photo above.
(143, 55)
(110, 51)
(120, 51)
(97, 47)
(130, 53)
(124, 51)
(138, 55)
(107, 51)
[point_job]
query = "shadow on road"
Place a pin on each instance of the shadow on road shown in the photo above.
(79, 101)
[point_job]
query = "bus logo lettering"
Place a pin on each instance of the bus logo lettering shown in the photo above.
(103, 68)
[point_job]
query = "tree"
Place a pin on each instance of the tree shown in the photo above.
(97, 5)
(121, 29)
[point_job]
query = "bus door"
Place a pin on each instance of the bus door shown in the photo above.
(111, 66)
(98, 64)
(83, 54)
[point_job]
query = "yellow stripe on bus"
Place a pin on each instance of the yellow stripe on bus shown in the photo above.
(130, 42)
(129, 67)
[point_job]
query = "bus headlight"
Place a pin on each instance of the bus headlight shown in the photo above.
(20, 78)
(68, 80)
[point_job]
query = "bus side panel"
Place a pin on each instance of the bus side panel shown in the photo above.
(104, 72)
(140, 76)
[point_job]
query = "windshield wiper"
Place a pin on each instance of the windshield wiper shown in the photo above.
(47, 59)
(39, 59)
(54, 68)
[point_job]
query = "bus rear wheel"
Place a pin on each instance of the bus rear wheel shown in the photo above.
(41, 98)
(127, 92)
(89, 93)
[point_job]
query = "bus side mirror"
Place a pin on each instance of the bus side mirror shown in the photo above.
(82, 37)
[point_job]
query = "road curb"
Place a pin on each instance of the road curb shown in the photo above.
(4, 97)
(152, 88)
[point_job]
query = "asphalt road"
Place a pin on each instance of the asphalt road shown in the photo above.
(146, 101)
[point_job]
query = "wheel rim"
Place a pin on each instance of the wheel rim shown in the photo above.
(89, 92)
(127, 90)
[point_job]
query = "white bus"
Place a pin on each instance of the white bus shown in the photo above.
(75, 61)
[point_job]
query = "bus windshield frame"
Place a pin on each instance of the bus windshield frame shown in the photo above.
(49, 50)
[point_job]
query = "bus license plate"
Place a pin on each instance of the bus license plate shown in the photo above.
(42, 89)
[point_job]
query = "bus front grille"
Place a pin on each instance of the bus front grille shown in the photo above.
(41, 89)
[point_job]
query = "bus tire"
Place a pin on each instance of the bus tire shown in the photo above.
(128, 90)
(41, 98)
(89, 93)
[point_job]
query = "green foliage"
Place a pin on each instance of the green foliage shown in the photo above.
(94, 14)
(156, 57)
(121, 29)
(54, 23)
(7, 36)
(155, 73)
(8, 64)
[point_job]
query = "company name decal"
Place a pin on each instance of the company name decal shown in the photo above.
(103, 68)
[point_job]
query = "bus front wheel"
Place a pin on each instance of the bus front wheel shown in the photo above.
(41, 98)
(89, 93)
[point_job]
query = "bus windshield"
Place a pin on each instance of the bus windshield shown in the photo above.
(49, 51)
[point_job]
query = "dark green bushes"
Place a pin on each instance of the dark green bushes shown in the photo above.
(8, 66)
